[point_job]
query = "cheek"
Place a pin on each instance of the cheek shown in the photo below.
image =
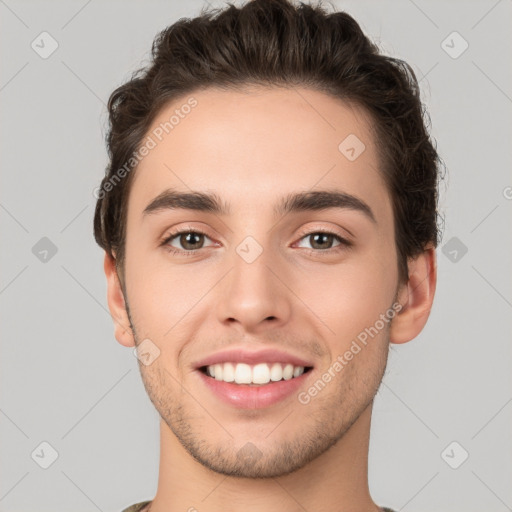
(164, 298)
(348, 298)
(153, 295)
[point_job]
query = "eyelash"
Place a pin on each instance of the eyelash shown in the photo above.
(343, 243)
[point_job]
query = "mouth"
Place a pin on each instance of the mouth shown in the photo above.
(256, 375)
(253, 379)
(258, 386)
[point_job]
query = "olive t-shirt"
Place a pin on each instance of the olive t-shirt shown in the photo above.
(139, 506)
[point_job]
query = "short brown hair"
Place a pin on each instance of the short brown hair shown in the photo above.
(274, 42)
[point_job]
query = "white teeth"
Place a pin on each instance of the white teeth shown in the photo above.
(288, 372)
(261, 373)
(228, 374)
(219, 370)
(242, 373)
(298, 371)
(276, 372)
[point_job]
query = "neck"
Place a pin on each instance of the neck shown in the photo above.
(337, 480)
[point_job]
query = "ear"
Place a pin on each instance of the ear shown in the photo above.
(416, 297)
(116, 304)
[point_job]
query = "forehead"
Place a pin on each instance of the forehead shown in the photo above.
(253, 146)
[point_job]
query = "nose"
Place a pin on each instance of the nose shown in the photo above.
(253, 296)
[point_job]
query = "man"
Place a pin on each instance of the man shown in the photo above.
(269, 220)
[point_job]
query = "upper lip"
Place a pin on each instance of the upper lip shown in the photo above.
(241, 355)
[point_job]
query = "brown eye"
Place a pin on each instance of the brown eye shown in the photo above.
(321, 240)
(185, 241)
(191, 241)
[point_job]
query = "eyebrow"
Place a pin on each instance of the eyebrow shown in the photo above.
(171, 199)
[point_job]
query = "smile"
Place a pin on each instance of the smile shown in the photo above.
(258, 374)
(250, 394)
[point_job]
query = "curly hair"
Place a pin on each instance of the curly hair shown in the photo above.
(278, 43)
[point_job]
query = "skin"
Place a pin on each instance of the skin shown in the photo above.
(252, 147)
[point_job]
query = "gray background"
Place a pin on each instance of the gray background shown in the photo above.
(67, 382)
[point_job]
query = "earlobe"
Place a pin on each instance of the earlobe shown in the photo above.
(116, 304)
(416, 298)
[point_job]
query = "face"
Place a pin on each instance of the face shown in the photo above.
(296, 286)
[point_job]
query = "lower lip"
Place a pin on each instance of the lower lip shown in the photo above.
(254, 397)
